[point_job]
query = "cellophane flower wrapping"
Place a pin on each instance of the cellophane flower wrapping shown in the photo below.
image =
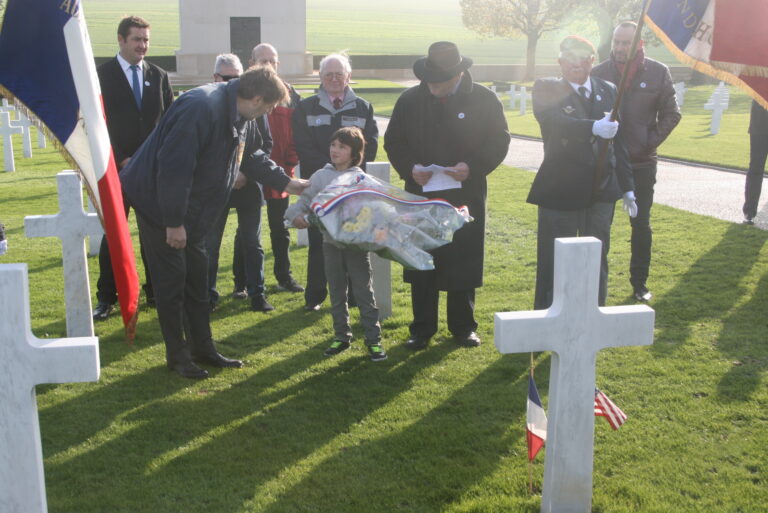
(358, 211)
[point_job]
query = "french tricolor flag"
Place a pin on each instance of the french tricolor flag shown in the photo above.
(536, 421)
(46, 65)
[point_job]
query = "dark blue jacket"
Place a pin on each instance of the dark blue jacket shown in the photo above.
(185, 170)
(565, 180)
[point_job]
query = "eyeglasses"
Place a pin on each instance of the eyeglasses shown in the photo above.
(226, 78)
(334, 74)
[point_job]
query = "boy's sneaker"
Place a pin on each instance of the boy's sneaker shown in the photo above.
(336, 347)
(377, 353)
(290, 285)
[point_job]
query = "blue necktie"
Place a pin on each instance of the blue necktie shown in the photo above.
(136, 88)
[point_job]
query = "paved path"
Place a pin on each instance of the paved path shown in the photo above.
(701, 190)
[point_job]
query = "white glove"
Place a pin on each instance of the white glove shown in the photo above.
(629, 203)
(605, 128)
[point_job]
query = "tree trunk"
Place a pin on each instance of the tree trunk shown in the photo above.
(530, 57)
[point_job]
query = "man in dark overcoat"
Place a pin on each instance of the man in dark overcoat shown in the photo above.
(758, 153)
(136, 93)
(450, 121)
(576, 196)
(179, 182)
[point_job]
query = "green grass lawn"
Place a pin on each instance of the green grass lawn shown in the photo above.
(400, 27)
(442, 430)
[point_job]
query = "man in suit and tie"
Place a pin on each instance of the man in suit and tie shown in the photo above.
(576, 194)
(136, 94)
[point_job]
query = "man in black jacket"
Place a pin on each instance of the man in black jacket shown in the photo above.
(649, 113)
(179, 182)
(758, 152)
(575, 194)
(314, 121)
(136, 93)
(457, 124)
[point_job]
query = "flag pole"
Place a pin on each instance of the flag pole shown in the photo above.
(603, 143)
(530, 463)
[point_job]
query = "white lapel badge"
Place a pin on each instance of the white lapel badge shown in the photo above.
(146, 83)
(461, 115)
(598, 98)
(568, 109)
(642, 84)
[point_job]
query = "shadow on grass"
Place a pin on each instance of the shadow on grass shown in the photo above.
(712, 285)
(743, 340)
(208, 453)
(430, 464)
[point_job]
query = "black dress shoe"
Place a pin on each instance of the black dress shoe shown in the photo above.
(259, 303)
(217, 360)
(643, 294)
(311, 308)
(189, 370)
(102, 311)
(416, 343)
(470, 340)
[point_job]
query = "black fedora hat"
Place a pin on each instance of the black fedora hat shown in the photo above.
(443, 62)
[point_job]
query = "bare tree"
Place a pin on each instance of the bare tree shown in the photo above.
(509, 18)
(608, 14)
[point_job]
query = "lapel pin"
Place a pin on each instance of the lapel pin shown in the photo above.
(146, 83)
(568, 109)
(642, 84)
(598, 98)
(461, 115)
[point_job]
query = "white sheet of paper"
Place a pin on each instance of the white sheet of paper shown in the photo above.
(442, 179)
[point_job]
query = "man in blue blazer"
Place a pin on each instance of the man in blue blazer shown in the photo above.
(136, 93)
(575, 194)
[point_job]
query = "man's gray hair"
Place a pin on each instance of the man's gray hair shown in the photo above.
(338, 57)
(229, 60)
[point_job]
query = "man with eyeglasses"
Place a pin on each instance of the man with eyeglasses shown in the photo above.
(314, 121)
(136, 93)
(576, 194)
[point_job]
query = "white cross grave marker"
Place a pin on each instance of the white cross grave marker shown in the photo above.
(718, 103)
(40, 135)
(512, 96)
(71, 225)
(524, 96)
(7, 107)
(95, 236)
(302, 236)
(574, 328)
(26, 361)
(26, 124)
(6, 131)
(680, 92)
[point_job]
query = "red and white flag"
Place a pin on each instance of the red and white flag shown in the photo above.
(536, 421)
(604, 407)
(48, 68)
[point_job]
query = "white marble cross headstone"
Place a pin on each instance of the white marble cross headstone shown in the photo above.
(574, 328)
(94, 237)
(523, 95)
(26, 124)
(718, 103)
(26, 361)
(71, 225)
(6, 131)
(680, 92)
(40, 135)
(7, 107)
(512, 96)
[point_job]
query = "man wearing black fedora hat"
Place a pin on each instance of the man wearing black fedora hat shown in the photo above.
(454, 123)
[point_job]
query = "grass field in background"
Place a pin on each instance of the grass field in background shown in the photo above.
(399, 27)
(441, 430)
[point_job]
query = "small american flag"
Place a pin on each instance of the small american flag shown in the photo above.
(604, 407)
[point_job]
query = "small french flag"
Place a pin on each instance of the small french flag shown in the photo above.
(536, 421)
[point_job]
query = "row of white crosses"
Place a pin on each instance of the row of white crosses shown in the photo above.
(15, 122)
(27, 361)
(516, 95)
(717, 103)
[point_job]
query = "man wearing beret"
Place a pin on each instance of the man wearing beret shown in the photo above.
(575, 193)
(457, 124)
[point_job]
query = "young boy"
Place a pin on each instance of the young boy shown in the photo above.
(343, 265)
